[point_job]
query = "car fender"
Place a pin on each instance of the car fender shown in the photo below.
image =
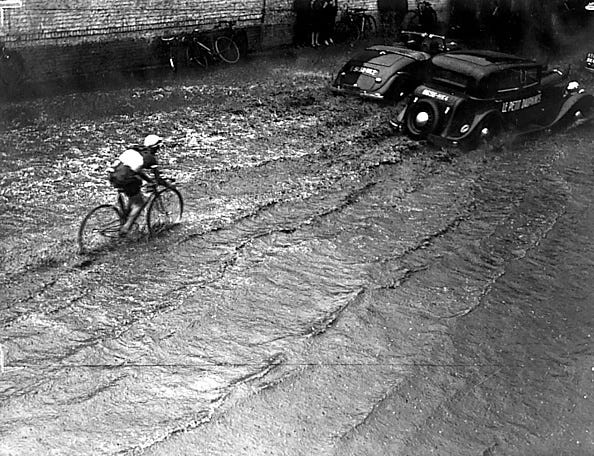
(485, 114)
(402, 109)
(570, 103)
(476, 121)
(397, 81)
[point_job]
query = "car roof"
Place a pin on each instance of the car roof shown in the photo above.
(480, 63)
(402, 51)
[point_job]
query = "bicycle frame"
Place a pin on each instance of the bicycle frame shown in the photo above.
(195, 39)
(123, 201)
(171, 43)
(211, 50)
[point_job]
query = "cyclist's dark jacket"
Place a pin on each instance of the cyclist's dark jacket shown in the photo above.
(123, 173)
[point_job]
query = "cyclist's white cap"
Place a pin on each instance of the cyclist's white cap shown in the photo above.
(152, 141)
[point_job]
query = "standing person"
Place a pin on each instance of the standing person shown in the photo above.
(302, 22)
(427, 17)
(127, 174)
(330, 12)
(316, 21)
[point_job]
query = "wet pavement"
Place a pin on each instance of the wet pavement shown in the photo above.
(334, 288)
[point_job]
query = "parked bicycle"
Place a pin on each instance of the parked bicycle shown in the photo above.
(162, 209)
(172, 45)
(12, 69)
(222, 47)
(422, 19)
(355, 24)
(199, 48)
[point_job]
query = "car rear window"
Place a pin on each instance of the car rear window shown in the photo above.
(451, 79)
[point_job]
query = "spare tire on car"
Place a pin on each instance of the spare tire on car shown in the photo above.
(422, 119)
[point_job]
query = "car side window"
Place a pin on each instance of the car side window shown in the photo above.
(509, 81)
(530, 77)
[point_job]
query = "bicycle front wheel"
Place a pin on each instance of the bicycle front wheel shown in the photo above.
(347, 31)
(99, 228)
(226, 49)
(369, 26)
(196, 57)
(165, 210)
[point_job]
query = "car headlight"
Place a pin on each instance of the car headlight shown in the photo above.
(464, 128)
(378, 80)
(573, 86)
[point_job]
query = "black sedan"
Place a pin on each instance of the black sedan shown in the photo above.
(385, 72)
(382, 72)
(473, 96)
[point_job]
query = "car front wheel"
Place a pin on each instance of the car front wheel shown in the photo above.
(581, 111)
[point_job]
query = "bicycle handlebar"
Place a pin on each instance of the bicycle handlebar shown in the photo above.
(229, 23)
(153, 184)
(422, 34)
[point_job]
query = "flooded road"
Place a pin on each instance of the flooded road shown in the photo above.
(334, 288)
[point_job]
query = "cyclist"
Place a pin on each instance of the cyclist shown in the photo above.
(127, 173)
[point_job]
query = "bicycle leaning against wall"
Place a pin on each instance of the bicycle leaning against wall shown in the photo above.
(201, 51)
(200, 48)
(355, 24)
(170, 48)
(12, 69)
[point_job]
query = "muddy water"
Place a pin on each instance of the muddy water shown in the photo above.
(334, 288)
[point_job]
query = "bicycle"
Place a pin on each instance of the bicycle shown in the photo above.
(172, 44)
(12, 69)
(224, 47)
(163, 208)
(355, 24)
(422, 19)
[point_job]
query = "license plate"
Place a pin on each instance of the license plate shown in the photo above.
(365, 70)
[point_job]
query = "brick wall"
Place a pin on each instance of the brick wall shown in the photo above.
(72, 37)
(43, 22)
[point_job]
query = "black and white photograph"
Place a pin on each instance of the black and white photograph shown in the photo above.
(296, 228)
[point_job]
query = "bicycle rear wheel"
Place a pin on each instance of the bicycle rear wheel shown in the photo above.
(99, 228)
(226, 49)
(164, 211)
(346, 31)
(411, 21)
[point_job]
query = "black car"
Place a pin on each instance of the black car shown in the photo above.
(475, 95)
(385, 72)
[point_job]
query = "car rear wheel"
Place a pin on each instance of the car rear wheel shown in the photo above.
(422, 118)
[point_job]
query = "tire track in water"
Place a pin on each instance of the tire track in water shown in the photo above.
(348, 201)
(239, 251)
(504, 219)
